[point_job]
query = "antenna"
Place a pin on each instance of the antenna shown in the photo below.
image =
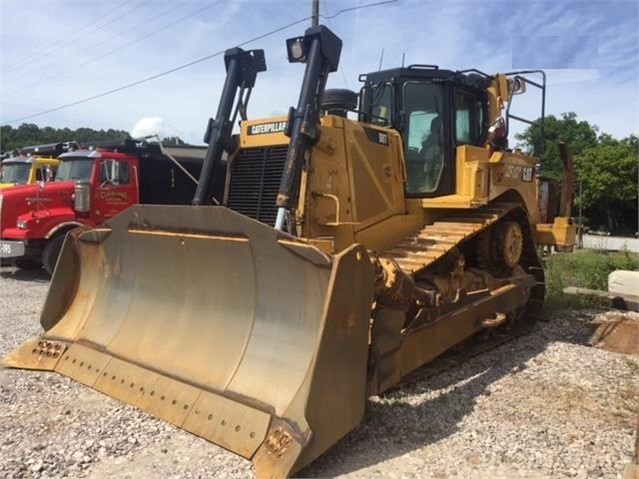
(381, 59)
(403, 58)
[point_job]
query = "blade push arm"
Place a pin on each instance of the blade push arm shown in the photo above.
(242, 68)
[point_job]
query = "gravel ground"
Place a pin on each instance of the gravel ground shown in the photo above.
(545, 405)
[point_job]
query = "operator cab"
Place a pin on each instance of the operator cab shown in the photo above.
(435, 111)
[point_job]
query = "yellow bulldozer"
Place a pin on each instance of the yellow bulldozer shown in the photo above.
(360, 237)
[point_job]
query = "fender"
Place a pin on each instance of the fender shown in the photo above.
(67, 225)
(45, 223)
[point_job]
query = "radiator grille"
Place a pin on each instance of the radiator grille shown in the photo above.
(255, 181)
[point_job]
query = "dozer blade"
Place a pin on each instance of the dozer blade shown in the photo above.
(216, 323)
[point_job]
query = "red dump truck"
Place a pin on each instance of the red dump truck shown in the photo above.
(91, 186)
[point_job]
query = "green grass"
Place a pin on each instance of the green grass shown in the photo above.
(583, 269)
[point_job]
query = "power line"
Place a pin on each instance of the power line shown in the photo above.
(153, 77)
(37, 52)
(190, 64)
(360, 7)
(137, 7)
(95, 45)
(110, 52)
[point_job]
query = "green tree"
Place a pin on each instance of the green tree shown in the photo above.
(6, 138)
(173, 140)
(632, 141)
(609, 174)
(578, 135)
(29, 134)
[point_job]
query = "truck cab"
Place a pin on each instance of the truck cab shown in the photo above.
(27, 170)
(91, 186)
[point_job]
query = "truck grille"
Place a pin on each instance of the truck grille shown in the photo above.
(255, 181)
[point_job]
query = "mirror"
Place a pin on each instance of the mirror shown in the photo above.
(115, 172)
(516, 85)
(110, 172)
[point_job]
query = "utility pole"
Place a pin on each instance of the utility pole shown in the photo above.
(314, 13)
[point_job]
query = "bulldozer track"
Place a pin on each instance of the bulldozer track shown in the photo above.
(419, 253)
(432, 242)
(416, 253)
(473, 347)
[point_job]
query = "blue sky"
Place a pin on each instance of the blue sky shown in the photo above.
(57, 52)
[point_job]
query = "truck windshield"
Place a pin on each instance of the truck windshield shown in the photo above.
(75, 169)
(17, 173)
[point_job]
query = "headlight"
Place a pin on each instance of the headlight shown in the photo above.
(22, 224)
(296, 48)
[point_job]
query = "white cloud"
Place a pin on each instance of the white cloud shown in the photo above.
(568, 75)
(149, 126)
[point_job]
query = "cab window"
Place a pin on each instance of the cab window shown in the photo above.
(113, 171)
(381, 105)
(424, 137)
(468, 118)
(45, 173)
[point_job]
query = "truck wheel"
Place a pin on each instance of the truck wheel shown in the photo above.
(27, 264)
(52, 252)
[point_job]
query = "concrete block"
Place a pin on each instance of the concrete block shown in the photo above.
(624, 282)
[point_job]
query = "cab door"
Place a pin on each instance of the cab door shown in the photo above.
(116, 189)
(430, 165)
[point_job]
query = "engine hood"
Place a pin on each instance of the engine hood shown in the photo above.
(36, 199)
